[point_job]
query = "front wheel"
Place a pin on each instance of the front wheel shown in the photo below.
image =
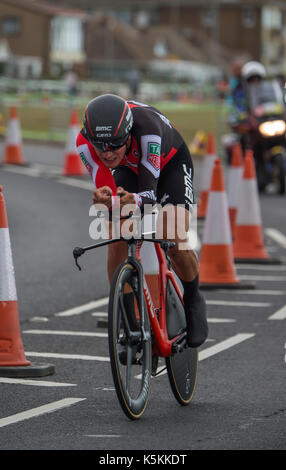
(129, 342)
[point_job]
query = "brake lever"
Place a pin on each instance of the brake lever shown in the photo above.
(77, 252)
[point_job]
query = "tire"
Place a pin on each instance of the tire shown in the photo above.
(132, 381)
(279, 174)
(182, 367)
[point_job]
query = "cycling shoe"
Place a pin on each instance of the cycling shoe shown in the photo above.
(196, 319)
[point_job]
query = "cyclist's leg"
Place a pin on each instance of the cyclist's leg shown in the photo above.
(176, 182)
(117, 252)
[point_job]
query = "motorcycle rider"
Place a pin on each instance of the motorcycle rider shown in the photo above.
(252, 73)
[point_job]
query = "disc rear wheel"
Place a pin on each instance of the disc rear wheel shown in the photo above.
(182, 367)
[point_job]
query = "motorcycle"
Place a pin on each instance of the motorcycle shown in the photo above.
(263, 129)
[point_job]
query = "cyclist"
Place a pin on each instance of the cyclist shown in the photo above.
(150, 163)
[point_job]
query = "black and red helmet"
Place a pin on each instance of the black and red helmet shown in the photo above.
(107, 122)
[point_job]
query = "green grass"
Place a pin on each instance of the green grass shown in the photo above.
(51, 121)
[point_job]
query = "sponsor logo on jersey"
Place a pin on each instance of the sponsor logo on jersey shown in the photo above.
(85, 162)
(164, 119)
(154, 152)
(188, 185)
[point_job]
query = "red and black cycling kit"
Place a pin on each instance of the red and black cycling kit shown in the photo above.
(157, 166)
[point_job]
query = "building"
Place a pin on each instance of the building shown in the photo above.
(42, 39)
(252, 28)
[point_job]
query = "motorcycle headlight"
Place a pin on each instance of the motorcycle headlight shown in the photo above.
(272, 128)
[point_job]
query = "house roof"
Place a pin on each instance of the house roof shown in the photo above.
(110, 38)
(44, 7)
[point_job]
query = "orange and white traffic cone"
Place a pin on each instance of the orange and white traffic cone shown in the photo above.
(206, 176)
(13, 362)
(233, 181)
(217, 269)
(248, 245)
(73, 165)
(13, 151)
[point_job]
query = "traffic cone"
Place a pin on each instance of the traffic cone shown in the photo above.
(13, 362)
(207, 168)
(217, 269)
(13, 152)
(233, 181)
(248, 245)
(73, 165)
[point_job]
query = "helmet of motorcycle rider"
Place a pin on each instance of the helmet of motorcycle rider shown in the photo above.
(107, 122)
(252, 70)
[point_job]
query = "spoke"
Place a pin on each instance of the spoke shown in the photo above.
(128, 368)
(125, 318)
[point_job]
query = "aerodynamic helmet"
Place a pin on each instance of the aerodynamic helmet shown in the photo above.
(107, 122)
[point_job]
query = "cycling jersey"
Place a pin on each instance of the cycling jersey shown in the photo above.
(154, 144)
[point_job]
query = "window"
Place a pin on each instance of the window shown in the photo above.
(271, 18)
(249, 17)
(67, 35)
(10, 26)
(209, 17)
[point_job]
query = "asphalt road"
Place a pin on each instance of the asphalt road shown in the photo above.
(240, 397)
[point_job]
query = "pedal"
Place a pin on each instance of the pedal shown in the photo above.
(180, 344)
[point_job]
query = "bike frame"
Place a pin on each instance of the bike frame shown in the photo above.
(163, 346)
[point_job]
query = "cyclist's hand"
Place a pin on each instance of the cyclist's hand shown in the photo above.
(125, 197)
(103, 195)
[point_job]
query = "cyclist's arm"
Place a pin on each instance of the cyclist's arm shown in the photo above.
(100, 174)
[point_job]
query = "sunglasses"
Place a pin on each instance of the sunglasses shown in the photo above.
(105, 147)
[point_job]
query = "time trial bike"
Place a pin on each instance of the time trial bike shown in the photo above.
(139, 335)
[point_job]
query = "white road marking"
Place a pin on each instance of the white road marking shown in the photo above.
(37, 170)
(39, 319)
(217, 348)
(279, 315)
(83, 308)
(235, 303)
(105, 389)
(102, 435)
(250, 277)
(272, 249)
(252, 291)
(99, 314)
(221, 320)
(104, 301)
(83, 357)
(277, 236)
(29, 171)
(40, 410)
(261, 267)
(223, 345)
(66, 332)
(77, 183)
(37, 383)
